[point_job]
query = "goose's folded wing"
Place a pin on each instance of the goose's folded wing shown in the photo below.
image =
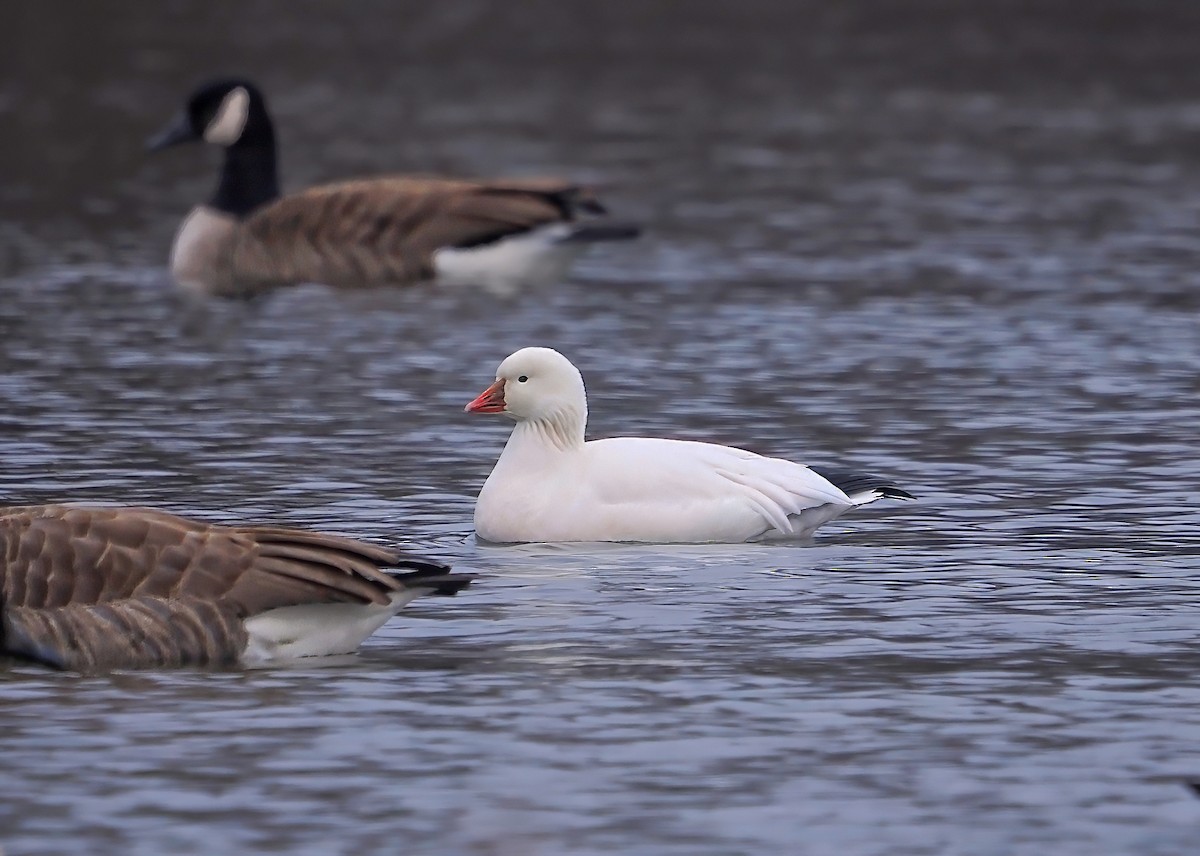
(57, 555)
(677, 473)
(387, 229)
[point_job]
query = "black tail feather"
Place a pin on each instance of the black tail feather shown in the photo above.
(436, 577)
(851, 483)
(607, 230)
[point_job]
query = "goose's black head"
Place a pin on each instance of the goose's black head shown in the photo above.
(229, 113)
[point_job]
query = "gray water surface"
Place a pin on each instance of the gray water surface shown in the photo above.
(954, 247)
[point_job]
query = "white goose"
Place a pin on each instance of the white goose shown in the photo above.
(551, 485)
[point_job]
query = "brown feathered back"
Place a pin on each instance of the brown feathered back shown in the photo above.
(385, 230)
(92, 588)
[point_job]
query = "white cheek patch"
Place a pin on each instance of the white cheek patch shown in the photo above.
(230, 121)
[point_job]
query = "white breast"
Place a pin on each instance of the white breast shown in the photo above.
(200, 253)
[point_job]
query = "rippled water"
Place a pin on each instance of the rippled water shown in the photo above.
(956, 248)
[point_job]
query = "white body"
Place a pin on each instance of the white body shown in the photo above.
(317, 630)
(635, 489)
(551, 485)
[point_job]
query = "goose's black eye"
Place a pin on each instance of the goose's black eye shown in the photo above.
(522, 378)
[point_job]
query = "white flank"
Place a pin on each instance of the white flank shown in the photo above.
(317, 630)
(531, 259)
(227, 126)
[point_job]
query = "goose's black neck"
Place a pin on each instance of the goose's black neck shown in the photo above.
(249, 176)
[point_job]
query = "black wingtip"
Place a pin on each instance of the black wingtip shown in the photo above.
(852, 483)
(419, 564)
(1193, 785)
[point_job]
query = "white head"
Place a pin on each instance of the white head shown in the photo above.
(535, 385)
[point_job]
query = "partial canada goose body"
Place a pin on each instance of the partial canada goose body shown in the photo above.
(92, 589)
(363, 233)
(551, 485)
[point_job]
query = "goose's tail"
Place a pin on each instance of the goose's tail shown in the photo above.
(597, 231)
(863, 488)
(430, 575)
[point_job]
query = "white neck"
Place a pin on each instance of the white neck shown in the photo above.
(560, 431)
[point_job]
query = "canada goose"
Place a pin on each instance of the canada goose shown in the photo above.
(91, 589)
(377, 231)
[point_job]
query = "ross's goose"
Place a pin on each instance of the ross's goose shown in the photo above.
(91, 589)
(552, 485)
(385, 230)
